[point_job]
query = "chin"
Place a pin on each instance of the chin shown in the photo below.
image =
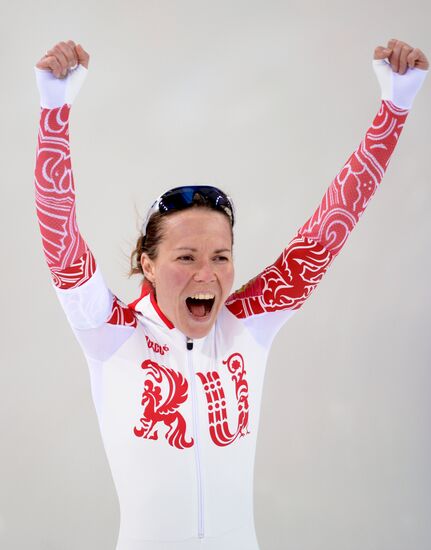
(199, 332)
(199, 329)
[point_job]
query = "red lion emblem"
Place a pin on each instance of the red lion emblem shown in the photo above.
(160, 408)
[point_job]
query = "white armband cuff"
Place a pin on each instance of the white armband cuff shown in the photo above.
(400, 89)
(55, 92)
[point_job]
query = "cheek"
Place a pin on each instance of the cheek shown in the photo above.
(174, 279)
(228, 277)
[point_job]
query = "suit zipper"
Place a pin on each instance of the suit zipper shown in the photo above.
(196, 436)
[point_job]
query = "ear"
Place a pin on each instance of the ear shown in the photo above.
(148, 268)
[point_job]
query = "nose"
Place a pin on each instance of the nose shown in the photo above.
(204, 273)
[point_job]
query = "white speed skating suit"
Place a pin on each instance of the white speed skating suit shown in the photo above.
(179, 422)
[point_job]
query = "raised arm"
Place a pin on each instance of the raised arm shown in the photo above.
(287, 283)
(67, 254)
(79, 285)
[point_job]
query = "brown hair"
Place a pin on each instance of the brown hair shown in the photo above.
(149, 242)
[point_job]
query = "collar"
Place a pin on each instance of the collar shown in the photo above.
(148, 306)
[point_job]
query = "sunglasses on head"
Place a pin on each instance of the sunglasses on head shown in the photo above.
(183, 197)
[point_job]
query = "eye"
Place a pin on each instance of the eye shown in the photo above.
(221, 259)
(185, 258)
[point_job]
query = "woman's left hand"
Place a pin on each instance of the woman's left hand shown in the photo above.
(402, 56)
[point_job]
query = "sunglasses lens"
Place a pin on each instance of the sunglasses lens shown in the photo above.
(181, 197)
(176, 199)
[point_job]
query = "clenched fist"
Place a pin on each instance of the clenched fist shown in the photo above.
(60, 74)
(400, 70)
(63, 57)
(402, 56)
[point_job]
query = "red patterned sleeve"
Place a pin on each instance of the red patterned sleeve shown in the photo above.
(85, 298)
(289, 281)
(67, 254)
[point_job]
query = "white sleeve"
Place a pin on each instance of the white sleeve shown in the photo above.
(55, 92)
(400, 89)
(89, 305)
(88, 309)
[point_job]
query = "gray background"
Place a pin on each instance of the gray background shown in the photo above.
(250, 96)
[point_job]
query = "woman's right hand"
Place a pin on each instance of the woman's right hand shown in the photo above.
(63, 57)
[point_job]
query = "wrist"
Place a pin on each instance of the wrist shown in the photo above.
(55, 92)
(400, 89)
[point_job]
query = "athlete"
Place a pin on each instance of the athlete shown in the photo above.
(177, 375)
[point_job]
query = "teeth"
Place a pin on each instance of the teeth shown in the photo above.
(203, 296)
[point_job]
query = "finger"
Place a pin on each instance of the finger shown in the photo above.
(42, 63)
(395, 57)
(61, 58)
(72, 44)
(64, 58)
(422, 62)
(411, 58)
(405, 50)
(69, 53)
(83, 56)
(391, 43)
(380, 52)
(50, 62)
(417, 58)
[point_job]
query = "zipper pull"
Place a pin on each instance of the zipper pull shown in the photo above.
(189, 343)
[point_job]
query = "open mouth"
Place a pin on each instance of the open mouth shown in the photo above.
(200, 307)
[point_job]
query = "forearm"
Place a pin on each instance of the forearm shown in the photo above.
(66, 252)
(290, 280)
(69, 259)
(350, 192)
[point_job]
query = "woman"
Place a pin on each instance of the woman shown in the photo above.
(177, 375)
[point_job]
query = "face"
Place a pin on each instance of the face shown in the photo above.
(193, 272)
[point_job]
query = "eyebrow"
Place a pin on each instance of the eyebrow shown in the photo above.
(195, 249)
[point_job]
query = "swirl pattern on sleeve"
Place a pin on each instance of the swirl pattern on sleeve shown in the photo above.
(349, 194)
(68, 256)
(290, 280)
